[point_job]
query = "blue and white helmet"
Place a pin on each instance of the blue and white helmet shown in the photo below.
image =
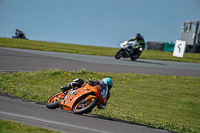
(108, 82)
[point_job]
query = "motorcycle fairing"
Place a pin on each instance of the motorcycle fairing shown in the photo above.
(73, 96)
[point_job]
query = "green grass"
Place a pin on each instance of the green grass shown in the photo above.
(92, 50)
(17, 127)
(165, 102)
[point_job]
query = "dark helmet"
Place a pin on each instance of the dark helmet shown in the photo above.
(138, 35)
(16, 29)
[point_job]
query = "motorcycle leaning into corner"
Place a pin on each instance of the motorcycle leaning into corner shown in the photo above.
(20, 37)
(129, 50)
(81, 100)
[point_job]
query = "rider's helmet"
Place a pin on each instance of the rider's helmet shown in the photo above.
(138, 35)
(108, 82)
(16, 29)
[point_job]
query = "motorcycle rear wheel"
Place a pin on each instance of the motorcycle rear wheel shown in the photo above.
(54, 101)
(84, 107)
(135, 56)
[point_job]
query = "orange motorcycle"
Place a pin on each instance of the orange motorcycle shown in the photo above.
(80, 100)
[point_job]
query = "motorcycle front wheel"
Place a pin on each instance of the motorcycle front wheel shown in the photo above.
(84, 106)
(119, 54)
(54, 101)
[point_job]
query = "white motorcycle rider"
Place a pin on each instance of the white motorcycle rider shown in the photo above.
(129, 50)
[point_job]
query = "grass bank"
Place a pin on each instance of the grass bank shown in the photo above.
(17, 127)
(165, 102)
(92, 50)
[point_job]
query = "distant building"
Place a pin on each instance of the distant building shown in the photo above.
(160, 46)
(157, 46)
(191, 34)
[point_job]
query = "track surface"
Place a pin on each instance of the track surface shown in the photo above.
(31, 60)
(38, 115)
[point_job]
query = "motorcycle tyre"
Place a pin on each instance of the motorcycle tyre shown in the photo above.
(54, 104)
(118, 55)
(86, 109)
(134, 57)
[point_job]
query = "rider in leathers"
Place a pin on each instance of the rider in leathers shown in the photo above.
(139, 41)
(77, 83)
(19, 34)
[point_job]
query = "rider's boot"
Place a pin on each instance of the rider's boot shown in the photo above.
(66, 88)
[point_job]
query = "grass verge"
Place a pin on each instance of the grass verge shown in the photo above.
(165, 102)
(92, 50)
(17, 127)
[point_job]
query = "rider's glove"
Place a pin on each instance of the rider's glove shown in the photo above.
(93, 83)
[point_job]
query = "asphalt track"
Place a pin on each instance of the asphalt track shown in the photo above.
(32, 60)
(60, 120)
(12, 60)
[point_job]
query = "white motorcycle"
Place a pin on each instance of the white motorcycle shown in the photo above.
(129, 50)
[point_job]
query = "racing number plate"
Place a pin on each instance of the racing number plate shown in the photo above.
(103, 93)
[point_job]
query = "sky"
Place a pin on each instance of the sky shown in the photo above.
(97, 22)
